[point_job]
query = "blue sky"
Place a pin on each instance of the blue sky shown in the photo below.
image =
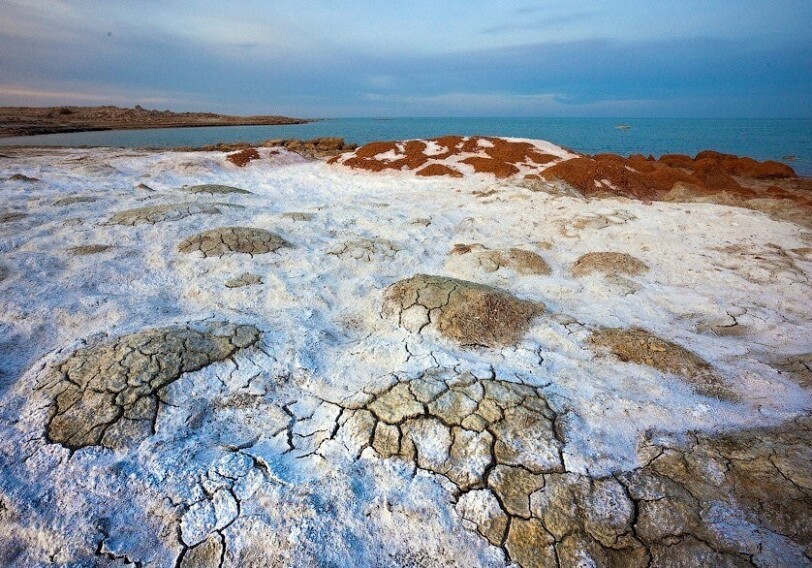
(708, 58)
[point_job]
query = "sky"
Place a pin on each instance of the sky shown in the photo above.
(320, 58)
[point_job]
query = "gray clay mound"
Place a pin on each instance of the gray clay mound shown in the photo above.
(218, 242)
(160, 213)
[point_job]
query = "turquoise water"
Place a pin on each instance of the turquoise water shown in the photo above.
(763, 139)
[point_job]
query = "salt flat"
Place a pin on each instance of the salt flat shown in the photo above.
(176, 394)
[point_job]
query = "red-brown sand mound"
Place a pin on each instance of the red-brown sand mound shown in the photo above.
(497, 156)
(242, 157)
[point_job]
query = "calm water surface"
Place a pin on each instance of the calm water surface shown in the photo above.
(763, 139)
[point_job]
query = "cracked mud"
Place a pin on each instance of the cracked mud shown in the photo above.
(499, 444)
(219, 242)
(466, 312)
(109, 394)
(216, 189)
(160, 213)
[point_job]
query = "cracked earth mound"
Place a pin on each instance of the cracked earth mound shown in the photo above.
(159, 213)
(608, 263)
(643, 348)
(519, 260)
(215, 189)
(455, 155)
(247, 240)
(468, 313)
(109, 394)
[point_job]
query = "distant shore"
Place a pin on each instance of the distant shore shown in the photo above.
(30, 121)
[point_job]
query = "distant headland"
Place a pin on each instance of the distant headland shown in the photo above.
(27, 121)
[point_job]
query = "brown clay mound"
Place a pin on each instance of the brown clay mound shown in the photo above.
(438, 170)
(608, 263)
(241, 158)
(470, 314)
(638, 346)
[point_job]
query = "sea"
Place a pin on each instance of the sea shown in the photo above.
(785, 140)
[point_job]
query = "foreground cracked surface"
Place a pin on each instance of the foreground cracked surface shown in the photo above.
(498, 445)
(109, 394)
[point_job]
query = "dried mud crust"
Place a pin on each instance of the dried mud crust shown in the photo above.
(108, 394)
(643, 348)
(72, 200)
(739, 499)
(84, 250)
(246, 279)
(11, 216)
(366, 250)
(159, 213)
(247, 240)
(608, 263)
(799, 367)
(468, 313)
(518, 260)
(215, 189)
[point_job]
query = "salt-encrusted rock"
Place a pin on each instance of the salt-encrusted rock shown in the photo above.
(107, 394)
(218, 242)
(643, 348)
(215, 189)
(468, 313)
(160, 213)
(609, 263)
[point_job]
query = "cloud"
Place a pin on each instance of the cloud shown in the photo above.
(537, 24)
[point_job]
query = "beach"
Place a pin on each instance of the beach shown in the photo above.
(459, 351)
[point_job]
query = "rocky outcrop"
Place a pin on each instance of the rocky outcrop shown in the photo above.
(316, 148)
(108, 394)
(468, 313)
